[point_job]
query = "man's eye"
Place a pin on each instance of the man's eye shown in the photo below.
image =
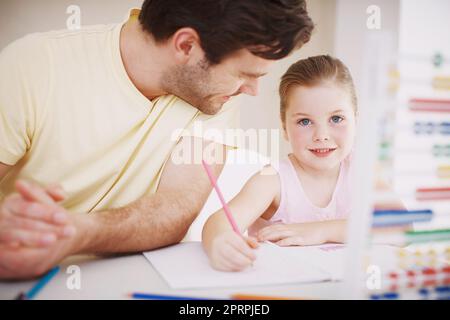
(336, 119)
(304, 122)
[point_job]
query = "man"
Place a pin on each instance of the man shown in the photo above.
(94, 111)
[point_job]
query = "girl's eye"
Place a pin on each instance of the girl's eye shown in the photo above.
(304, 122)
(336, 119)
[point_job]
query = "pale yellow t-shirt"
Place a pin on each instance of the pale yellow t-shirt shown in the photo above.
(69, 114)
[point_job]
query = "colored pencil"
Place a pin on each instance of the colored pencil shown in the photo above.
(225, 207)
(413, 237)
(244, 296)
(433, 193)
(383, 218)
(151, 296)
(429, 105)
(39, 285)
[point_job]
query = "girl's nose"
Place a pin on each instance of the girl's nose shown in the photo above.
(321, 134)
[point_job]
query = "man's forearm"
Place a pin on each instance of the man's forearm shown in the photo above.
(149, 222)
(157, 220)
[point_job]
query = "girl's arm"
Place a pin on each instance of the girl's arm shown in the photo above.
(305, 234)
(226, 249)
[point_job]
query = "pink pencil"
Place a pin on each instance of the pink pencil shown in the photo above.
(222, 200)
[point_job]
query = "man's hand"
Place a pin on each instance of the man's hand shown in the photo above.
(31, 217)
(35, 232)
(27, 262)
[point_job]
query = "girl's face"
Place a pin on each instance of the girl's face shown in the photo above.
(320, 125)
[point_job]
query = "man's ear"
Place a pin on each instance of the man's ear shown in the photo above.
(185, 43)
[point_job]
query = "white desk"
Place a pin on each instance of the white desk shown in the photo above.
(113, 278)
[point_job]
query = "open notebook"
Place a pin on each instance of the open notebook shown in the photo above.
(186, 265)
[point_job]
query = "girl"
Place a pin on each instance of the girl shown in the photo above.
(306, 199)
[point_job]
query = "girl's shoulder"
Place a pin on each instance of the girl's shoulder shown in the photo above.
(269, 170)
(266, 178)
(262, 187)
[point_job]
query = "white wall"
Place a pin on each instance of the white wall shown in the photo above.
(20, 17)
(351, 30)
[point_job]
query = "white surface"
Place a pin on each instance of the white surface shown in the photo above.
(272, 266)
(115, 278)
(330, 258)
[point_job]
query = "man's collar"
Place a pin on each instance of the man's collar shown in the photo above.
(133, 14)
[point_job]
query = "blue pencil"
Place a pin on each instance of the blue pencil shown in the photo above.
(432, 127)
(385, 218)
(41, 283)
(149, 296)
(401, 212)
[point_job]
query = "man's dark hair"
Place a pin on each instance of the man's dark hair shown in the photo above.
(270, 29)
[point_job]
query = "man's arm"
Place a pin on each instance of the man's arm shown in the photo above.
(150, 222)
(155, 220)
(4, 168)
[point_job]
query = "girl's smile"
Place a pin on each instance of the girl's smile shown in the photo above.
(322, 152)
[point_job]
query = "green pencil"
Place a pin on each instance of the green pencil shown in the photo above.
(413, 237)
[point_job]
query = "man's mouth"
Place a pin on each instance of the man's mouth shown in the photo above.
(322, 152)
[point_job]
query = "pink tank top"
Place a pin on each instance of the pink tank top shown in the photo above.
(295, 207)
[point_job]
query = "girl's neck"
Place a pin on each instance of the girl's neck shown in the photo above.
(332, 173)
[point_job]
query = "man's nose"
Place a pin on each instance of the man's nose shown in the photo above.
(250, 87)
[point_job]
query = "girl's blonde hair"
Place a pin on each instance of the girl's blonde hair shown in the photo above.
(315, 71)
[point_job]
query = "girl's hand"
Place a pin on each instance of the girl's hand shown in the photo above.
(231, 252)
(298, 234)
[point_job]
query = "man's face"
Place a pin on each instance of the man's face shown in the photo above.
(209, 87)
